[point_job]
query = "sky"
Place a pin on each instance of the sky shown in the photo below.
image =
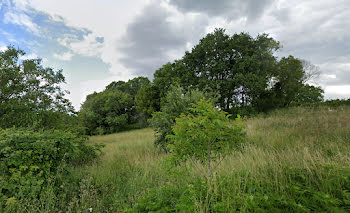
(96, 42)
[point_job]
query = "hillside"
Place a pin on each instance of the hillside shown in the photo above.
(294, 160)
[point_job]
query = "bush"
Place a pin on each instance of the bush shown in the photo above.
(175, 103)
(31, 160)
(206, 134)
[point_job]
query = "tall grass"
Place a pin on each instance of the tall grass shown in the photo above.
(295, 159)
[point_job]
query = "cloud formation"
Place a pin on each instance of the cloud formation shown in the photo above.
(228, 9)
(117, 40)
(158, 35)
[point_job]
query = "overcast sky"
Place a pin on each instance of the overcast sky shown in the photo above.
(99, 41)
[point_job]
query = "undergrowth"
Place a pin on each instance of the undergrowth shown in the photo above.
(294, 160)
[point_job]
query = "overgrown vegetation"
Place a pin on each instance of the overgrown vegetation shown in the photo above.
(40, 138)
(293, 160)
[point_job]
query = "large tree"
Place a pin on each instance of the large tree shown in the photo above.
(30, 95)
(242, 69)
(289, 79)
(237, 67)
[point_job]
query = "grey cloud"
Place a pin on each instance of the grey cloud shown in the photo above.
(282, 15)
(229, 9)
(320, 34)
(339, 69)
(151, 37)
(314, 30)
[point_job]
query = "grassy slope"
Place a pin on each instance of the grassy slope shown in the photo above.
(282, 148)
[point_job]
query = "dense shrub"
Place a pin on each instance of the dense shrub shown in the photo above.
(206, 134)
(31, 160)
(175, 103)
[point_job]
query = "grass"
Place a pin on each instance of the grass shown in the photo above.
(294, 160)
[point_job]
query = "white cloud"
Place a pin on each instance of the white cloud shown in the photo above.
(88, 46)
(67, 56)
(16, 17)
(29, 56)
(104, 18)
(341, 92)
(3, 48)
(107, 19)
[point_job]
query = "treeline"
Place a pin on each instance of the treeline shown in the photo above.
(326, 103)
(241, 72)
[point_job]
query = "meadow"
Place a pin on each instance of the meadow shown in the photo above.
(294, 160)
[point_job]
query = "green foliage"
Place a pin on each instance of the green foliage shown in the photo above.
(237, 67)
(255, 196)
(205, 134)
(114, 109)
(131, 87)
(336, 102)
(106, 112)
(289, 79)
(176, 73)
(309, 94)
(294, 160)
(167, 198)
(147, 101)
(175, 103)
(286, 86)
(31, 160)
(242, 69)
(30, 95)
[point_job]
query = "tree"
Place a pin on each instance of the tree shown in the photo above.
(147, 101)
(176, 73)
(309, 94)
(237, 67)
(205, 134)
(312, 72)
(131, 87)
(30, 95)
(106, 112)
(289, 79)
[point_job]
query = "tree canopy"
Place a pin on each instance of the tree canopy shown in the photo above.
(114, 109)
(29, 93)
(243, 69)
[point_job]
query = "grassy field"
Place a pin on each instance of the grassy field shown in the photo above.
(294, 160)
